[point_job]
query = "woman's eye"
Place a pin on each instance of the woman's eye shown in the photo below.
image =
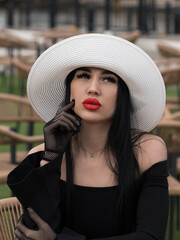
(110, 79)
(83, 75)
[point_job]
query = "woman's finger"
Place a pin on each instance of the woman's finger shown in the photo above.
(19, 235)
(36, 218)
(61, 122)
(22, 231)
(69, 116)
(71, 125)
(67, 107)
(45, 231)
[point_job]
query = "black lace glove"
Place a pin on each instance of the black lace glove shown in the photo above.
(58, 131)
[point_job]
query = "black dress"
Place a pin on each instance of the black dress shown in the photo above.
(95, 212)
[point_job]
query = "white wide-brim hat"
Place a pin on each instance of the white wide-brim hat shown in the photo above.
(46, 81)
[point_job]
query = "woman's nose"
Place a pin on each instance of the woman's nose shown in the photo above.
(94, 87)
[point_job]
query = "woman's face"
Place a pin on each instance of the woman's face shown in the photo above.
(95, 94)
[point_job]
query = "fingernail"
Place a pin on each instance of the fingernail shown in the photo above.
(78, 123)
(30, 210)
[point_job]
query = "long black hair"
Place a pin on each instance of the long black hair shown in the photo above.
(120, 143)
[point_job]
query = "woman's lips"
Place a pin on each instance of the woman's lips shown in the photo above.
(91, 104)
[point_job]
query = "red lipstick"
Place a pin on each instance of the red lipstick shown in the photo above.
(91, 104)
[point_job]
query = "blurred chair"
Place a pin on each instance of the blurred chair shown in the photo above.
(174, 186)
(174, 193)
(170, 71)
(11, 42)
(5, 63)
(8, 136)
(131, 36)
(169, 129)
(167, 50)
(16, 110)
(10, 212)
(59, 33)
(23, 67)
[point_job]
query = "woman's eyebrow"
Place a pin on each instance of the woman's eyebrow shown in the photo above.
(109, 72)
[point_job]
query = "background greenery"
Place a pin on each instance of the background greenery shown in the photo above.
(38, 130)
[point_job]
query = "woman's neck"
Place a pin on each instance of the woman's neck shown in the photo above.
(92, 138)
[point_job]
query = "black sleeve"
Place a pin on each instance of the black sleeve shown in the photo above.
(38, 187)
(152, 208)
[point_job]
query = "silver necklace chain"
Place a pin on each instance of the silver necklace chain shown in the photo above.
(92, 154)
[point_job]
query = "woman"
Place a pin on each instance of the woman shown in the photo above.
(99, 173)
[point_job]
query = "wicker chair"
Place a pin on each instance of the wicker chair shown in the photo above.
(131, 36)
(174, 193)
(168, 51)
(170, 70)
(169, 130)
(10, 212)
(5, 61)
(23, 67)
(15, 109)
(8, 136)
(178, 167)
(11, 42)
(60, 33)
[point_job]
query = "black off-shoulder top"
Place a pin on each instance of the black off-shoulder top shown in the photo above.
(95, 213)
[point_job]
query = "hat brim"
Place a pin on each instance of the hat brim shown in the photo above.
(46, 80)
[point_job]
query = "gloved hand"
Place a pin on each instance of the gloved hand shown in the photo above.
(44, 231)
(58, 131)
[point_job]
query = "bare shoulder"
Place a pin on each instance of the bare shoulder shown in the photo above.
(151, 150)
(38, 148)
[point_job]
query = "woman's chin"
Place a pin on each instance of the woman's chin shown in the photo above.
(95, 120)
(87, 115)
